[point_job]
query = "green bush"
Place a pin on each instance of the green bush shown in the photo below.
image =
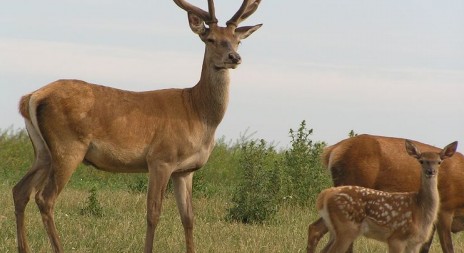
(303, 174)
(255, 199)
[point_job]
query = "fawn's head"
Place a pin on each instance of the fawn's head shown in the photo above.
(430, 161)
(221, 42)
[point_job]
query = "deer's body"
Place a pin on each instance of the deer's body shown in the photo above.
(377, 162)
(167, 133)
(402, 220)
(136, 118)
(378, 218)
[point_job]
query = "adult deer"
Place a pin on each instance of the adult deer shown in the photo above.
(376, 162)
(167, 133)
(403, 220)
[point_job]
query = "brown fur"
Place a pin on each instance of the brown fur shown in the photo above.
(402, 220)
(24, 106)
(375, 162)
(167, 133)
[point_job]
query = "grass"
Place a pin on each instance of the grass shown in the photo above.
(120, 201)
(122, 227)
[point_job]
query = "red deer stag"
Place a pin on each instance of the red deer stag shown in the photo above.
(167, 133)
(377, 162)
(403, 220)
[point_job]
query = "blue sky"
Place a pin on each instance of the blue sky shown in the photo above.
(393, 68)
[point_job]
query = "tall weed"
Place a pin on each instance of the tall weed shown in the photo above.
(93, 206)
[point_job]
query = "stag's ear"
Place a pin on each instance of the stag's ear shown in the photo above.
(449, 150)
(412, 149)
(196, 24)
(245, 31)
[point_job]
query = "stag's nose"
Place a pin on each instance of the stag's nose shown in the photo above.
(235, 58)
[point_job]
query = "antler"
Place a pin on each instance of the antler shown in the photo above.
(248, 7)
(209, 18)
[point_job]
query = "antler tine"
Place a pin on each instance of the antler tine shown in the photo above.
(248, 7)
(198, 11)
(212, 12)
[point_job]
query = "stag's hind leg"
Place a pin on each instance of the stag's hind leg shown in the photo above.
(62, 168)
(32, 181)
(21, 195)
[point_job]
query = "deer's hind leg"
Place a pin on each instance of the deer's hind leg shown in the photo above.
(62, 168)
(396, 246)
(343, 232)
(32, 181)
(343, 241)
(316, 231)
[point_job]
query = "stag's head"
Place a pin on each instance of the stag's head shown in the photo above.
(221, 42)
(430, 161)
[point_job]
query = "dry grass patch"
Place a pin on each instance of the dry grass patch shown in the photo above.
(122, 227)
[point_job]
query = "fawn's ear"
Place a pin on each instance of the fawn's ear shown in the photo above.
(449, 150)
(412, 149)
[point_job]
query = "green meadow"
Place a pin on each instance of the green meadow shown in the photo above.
(249, 197)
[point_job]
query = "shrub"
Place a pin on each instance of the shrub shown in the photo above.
(303, 174)
(255, 198)
(352, 133)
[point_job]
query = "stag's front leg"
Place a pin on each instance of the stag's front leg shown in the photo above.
(183, 192)
(444, 231)
(159, 174)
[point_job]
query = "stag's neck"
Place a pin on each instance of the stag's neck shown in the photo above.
(428, 198)
(211, 95)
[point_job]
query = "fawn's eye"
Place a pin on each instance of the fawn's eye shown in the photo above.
(211, 41)
(421, 162)
(439, 162)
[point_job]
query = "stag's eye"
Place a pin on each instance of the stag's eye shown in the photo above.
(421, 162)
(212, 41)
(439, 162)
